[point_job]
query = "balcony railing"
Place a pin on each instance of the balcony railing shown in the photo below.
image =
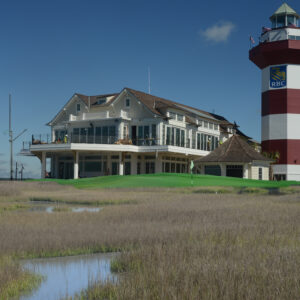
(94, 139)
(88, 139)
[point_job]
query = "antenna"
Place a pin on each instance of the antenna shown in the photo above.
(11, 140)
(149, 81)
(21, 171)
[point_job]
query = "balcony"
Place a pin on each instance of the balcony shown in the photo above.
(89, 116)
(98, 142)
(92, 116)
(280, 34)
(45, 139)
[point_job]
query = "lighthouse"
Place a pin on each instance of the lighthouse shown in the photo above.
(278, 57)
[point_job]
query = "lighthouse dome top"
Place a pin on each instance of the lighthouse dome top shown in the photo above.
(284, 16)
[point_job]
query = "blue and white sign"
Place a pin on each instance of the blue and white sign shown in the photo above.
(278, 77)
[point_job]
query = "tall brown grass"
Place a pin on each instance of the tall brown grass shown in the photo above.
(176, 245)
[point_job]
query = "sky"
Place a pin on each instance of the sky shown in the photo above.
(197, 53)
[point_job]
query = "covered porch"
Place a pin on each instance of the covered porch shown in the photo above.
(76, 164)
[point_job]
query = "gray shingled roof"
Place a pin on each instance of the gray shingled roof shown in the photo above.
(154, 103)
(235, 149)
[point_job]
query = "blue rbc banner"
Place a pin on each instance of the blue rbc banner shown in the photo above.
(278, 77)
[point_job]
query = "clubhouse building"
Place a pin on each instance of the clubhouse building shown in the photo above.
(126, 133)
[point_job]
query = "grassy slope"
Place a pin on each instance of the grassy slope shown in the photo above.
(170, 180)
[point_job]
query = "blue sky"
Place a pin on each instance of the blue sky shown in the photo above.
(197, 52)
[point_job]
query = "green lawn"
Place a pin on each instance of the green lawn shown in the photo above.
(169, 180)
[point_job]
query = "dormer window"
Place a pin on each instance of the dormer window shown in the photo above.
(127, 102)
(179, 117)
(101, 101)
(78, 107)
(172, 115)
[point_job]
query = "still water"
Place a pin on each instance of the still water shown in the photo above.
(51, 209)
(66, 276)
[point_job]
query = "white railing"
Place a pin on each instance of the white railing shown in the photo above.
(124, 114)
(279, 34)
(90, 116)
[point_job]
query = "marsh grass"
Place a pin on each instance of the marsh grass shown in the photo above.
(14, 280)
(176, 244)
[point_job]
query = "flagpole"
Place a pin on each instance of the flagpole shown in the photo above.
(191, 169)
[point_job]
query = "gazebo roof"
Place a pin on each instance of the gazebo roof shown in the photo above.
(235, 149)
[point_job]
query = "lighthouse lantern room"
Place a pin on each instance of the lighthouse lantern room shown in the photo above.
(278, 57)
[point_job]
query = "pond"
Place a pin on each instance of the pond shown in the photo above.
(66, 276)
(51, 209)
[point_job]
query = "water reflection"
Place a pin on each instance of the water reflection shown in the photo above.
(66, 276)
(51, 209)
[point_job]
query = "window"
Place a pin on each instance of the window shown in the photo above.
(260, 173)
(93, 166)
(83, 135)
(150, 167)
(90, 133)
(211, 125)
(75, 137)
(104, 135)
(153, 129)
(177, 137)
(147, 157)
(179, 117)
(172, 115)
(216, 126)
(293, 37)
(168, 142)
(146, 132)
(127, 168)
(127, 102)
(101, 100)
(140, 132)
(182, 138)
(78, 107)
(198, 141)
(167, 167)
(205, 124)
(98, 135)
(280, 21)
(60, 135)
(173, 167)
(193, 139)
(138, 168)
(173, 136)
(112, 134)
(291, 20)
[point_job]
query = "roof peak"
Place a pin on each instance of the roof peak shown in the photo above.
(285, 9)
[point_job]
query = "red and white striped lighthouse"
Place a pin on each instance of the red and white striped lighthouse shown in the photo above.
(278, 57)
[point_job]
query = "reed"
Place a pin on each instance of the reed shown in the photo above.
(175, 244)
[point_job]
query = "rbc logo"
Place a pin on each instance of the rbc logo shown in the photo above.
(278, 77)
